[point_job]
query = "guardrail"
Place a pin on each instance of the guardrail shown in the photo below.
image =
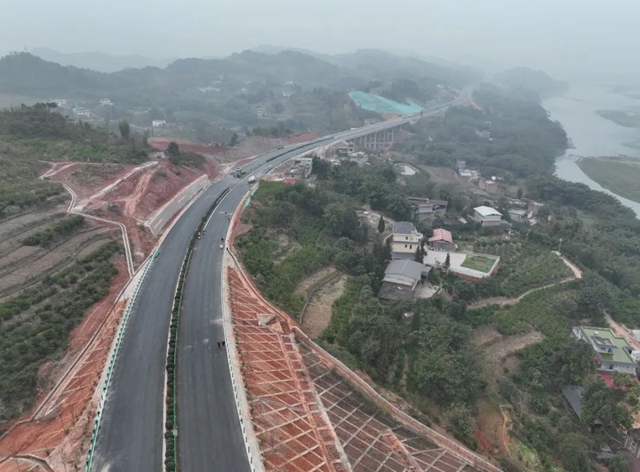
(114, 355)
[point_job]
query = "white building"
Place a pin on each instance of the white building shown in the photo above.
(487, 216)
(60, 102)
(406, 240)
(359, 158)
(158, 123)
(612, 352)
(82, 112)
(105, 102)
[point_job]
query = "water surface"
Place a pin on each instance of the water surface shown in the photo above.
(591, 134)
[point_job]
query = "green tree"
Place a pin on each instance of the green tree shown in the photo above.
(465, 290)
(381, 225)
(173, 150)
(341, 219)
(387, 251)
(573, 454)
(604, 405)
(234, 139)
(419, 255)
(125, 129)
(595, 296)
(320, 167)
(519, 194)
(619, 463)
(462, 423)
(447, 261)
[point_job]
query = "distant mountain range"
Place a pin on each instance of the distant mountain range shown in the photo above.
(27, 74)
(388, 65)
(99, 61)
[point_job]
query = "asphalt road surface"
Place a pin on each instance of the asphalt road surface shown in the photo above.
(210, 437)
(130, 438)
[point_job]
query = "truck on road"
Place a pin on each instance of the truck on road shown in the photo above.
(251, 180)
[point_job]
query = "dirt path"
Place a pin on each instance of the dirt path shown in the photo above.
(132, 200)
(317, 316)
(622, 332)
(505, 301)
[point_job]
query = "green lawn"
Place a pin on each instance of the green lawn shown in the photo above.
(478, 262)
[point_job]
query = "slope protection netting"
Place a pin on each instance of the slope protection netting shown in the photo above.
(378, 104)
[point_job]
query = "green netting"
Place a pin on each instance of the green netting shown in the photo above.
(378, 104)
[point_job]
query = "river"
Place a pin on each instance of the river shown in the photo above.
(591, 134)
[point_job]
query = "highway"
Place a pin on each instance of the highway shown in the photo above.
(130, 437)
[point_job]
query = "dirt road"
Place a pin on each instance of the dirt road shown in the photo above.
(505, 301)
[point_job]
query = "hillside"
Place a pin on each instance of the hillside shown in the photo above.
(207, 100)
(532, 80)
(376, 64)
(23, 73)
(99, 61)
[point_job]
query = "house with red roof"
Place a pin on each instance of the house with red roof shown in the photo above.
(442, 240)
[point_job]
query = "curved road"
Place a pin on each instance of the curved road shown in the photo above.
(131, 432)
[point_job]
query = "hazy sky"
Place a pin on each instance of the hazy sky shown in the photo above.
(565, 37)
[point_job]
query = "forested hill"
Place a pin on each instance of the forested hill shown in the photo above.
(23, 73)
(532, 80)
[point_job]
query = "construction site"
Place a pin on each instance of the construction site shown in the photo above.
(122, 206)
(308, 411)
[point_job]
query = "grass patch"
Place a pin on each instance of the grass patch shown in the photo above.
(543, 310)
(620, 176)
(524, 266)
(478, 262)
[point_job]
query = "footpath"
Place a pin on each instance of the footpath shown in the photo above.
(505, 301)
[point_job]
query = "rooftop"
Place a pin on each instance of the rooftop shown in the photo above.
(518, 212)
(403, 227)
(606, 336)
(404, 272)
(487, 211)
(441, 235)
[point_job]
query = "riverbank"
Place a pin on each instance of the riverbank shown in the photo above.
(592, 135)
(616, 174)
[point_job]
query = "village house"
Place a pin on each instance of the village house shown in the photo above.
(344, 148)
(489, 186)
(487, 216)
(534, 207)
(612, 353)
(300, 169)
(632, 442)
(359, 158)
(517, 215)
(406, 240)
(442, 240)
(401, 279)
(105, 102)
(158, 123)
(424, 209)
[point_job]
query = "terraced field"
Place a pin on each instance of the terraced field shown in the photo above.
(44, 293)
